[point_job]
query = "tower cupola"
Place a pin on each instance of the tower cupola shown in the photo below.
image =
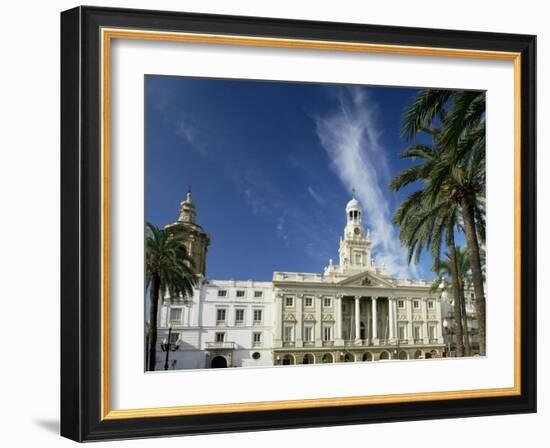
(188, 212)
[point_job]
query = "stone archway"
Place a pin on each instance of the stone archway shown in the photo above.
(287, 360)
(218, 362)
(327, 358)
(403, 355)
(367, 356)
(384, 355)
(348, 357)
(418, 354)
(308, 359)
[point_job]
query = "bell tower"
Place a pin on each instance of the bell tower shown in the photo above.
(355, 246)
(196, 239)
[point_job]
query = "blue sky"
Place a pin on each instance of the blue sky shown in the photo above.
(272, 166)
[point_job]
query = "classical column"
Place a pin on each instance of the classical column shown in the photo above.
(357, 318)
(299, 318)
(410, 333)
(317, 336)
(425, 335)
(278, 320)
(338, 320)
(391, 319)
(374, 319)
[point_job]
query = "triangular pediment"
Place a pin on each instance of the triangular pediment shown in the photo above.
(367, 278)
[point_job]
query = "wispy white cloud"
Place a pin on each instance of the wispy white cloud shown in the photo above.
(351, 138)
(182, 124)
(315, 195)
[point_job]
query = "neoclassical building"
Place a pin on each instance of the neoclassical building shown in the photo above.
(352, 312)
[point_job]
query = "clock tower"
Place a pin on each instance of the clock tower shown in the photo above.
(355, 246)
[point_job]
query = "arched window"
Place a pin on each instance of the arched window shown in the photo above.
(367, 356)
(327, 358)
(308, 359)
(384, 355)
(403, 355)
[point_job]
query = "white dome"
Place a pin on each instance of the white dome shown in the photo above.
(353, 204)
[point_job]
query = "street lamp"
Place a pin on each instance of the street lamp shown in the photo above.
(168, 346)
(447, 330)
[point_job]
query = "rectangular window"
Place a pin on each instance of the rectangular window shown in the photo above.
(416, 304)
(220, 314)
(327, 334)
(258, 294)
(432, 331)
(220, 337)
(431, 304)
(309, 301)
(175, 315)
(289, 301)
(308, 334)
(239, 316)
(222, 292)
(417, 332)
(401, 304)
(402, 332)
(289, 334)
(240, 293)
(257, 316)
(327, 302)
(256, 338)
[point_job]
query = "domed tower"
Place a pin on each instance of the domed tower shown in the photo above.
(196, 239)
(355, 247)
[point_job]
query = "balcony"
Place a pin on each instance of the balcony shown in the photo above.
(289, 344)
(434, 341)
(226, 345)
(358, 342)
(419, 341)
(328, 343)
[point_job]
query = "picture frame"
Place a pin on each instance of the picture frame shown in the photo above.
(86, 36)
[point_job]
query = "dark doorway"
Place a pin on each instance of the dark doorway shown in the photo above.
(219, 362)
(362, 331)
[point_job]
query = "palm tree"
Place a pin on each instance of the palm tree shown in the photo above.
(460, 171)
(444, 271)
(169, 270)
(426, 220)
(426, 226)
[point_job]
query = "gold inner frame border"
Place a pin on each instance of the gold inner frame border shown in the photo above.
(107, 35)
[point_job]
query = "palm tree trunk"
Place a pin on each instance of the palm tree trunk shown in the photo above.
(475, 262)
(456, 294)
(466, 337)
(153, 315)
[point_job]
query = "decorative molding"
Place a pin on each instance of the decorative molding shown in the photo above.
(289, 317)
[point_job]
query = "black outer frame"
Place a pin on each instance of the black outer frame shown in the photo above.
(80, 224)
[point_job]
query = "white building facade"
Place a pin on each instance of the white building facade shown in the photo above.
(352, 312)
